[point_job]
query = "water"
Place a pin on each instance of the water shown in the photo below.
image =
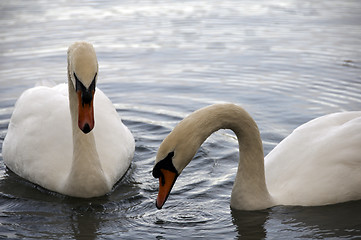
(286, 62)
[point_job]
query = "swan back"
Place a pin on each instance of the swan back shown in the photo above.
(319, 163)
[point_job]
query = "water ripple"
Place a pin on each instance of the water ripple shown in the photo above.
(284, 62)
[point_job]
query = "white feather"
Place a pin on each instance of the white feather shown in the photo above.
(39, 143)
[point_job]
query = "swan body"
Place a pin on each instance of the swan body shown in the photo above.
(318, 164)
(69, 138)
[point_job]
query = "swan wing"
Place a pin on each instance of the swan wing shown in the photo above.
(319, 163)
(38, 144)
(114, 141)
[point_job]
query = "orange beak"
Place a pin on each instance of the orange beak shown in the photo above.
(86, 113)
(166, 182)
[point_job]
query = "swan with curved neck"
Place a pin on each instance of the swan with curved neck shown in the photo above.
(301, 170)
(82, 152)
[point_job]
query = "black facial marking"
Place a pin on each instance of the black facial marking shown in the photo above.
(76, 80)
(92, 85)
(166, 163)
(86, 93)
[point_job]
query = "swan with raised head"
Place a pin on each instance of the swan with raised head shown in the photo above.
(318, 164)
(81, 152)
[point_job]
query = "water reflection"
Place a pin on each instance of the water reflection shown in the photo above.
(74, 218)
(334, 221)
(250, 224)
(286, 62)
(85, 220)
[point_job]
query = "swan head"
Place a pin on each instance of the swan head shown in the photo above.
(82, 71)
(167, 174)
(174, 154)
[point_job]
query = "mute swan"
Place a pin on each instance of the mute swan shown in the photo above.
(318, 164)
(81, 152)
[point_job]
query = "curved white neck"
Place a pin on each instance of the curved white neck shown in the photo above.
(86, 176)
(249, 190)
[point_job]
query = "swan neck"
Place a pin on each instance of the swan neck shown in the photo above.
(84, 147)
(192, 131)
(249, 190)
(86, 174)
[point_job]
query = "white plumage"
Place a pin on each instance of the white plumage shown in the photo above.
(45, 145)
(318, 164)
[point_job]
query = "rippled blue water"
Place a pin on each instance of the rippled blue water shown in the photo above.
(286, 62)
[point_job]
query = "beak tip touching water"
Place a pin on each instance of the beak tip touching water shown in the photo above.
(166, 182)
(159, 206)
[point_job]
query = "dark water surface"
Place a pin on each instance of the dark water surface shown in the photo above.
(286, 62)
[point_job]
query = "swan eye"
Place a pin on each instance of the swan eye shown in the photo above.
(166, 163)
